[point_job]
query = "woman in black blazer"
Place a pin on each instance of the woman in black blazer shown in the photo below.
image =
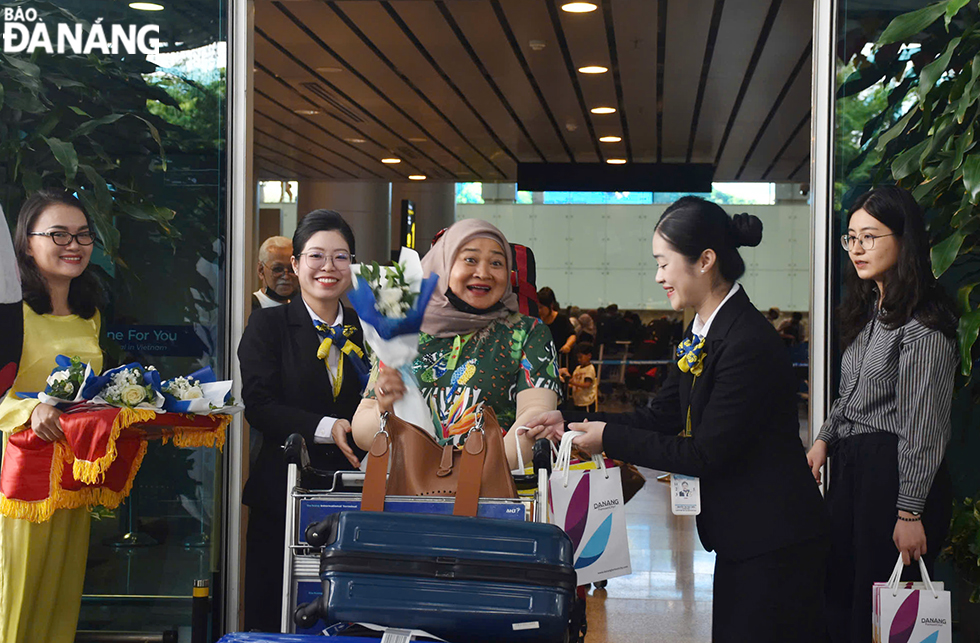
(295, 381)
(761, 511)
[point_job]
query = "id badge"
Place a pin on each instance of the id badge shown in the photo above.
(685, 493)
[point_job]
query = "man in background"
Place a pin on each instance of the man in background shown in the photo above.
(278, 282)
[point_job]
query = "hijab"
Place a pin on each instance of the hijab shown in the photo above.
(443, 318)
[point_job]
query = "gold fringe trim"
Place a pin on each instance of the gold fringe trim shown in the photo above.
(42, 510)
(188, 437)
(93, 472)
(58, 498)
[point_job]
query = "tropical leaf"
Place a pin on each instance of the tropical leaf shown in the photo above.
(952, 8)
(931, 72)
(909, 24)
(963, 296)
(895, 131)
(944, 253)
(967, 334)
(908, 161)
(65, 154)
(971, 176)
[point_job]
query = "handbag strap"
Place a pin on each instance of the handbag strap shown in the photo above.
(376, 476)
(471, 469)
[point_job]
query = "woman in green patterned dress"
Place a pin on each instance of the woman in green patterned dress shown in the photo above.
(475, 347)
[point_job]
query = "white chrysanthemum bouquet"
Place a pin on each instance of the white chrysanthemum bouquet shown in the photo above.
(390, 302)
(131, 386)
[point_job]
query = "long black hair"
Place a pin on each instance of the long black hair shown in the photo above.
(85, 294)
(321, 221)
(911, 290)
(692, 225)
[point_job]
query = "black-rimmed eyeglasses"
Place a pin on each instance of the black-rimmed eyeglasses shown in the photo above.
(63, 238)
(867, 240)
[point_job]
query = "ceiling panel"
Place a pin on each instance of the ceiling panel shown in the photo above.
(456, 89)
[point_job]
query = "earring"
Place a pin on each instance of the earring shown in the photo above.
(702, 271)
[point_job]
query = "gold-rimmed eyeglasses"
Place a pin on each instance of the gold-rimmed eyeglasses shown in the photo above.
(316, 260)
(867, 240)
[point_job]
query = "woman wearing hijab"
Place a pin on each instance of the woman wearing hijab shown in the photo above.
(475, 347)
(727, 415)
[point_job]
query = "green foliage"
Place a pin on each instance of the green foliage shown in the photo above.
(72, 121)
(964, 544)
(926, 139)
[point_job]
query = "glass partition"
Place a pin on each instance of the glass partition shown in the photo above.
(124, 103)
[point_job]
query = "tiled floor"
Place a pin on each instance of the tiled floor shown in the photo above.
(667, 598)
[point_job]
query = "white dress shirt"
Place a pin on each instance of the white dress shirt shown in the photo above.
(324, 429)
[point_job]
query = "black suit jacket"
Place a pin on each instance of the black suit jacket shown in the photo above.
(757, 492)
(286, 390)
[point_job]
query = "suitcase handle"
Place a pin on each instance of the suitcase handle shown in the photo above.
(307, 614)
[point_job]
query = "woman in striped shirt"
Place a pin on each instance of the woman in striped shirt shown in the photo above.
(888, 430)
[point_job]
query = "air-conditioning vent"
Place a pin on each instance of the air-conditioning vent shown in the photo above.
(317, 90)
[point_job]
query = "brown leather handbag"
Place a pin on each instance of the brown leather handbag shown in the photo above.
(420, 467)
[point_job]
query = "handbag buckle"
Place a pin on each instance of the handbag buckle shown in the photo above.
(478, 424)
(383, 428)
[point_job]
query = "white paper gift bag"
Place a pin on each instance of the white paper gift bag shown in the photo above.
(588, 506)
(911, 612)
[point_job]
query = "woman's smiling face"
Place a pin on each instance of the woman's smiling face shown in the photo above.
(676, 274)
(479, 273)
(56, 262)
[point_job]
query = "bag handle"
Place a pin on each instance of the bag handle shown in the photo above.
(471, 469)
(470, 475)
(376, 473)
(895, 580)
(564, 461)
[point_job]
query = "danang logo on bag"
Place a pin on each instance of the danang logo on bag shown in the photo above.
(23, 32)
(606, 504)
(935, 622)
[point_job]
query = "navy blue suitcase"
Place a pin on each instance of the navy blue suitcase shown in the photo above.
(458, 578)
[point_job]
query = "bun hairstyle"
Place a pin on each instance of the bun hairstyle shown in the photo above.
(320, 221)
(692, 225)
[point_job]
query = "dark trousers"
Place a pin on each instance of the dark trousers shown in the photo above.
(772, 598)
(264, 545)
(861, 500)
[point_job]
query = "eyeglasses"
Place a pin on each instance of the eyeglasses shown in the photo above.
(867, 241)
(62, 238)
(279, 270)
(316, 260)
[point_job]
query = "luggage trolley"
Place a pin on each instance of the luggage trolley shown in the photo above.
(313, 495)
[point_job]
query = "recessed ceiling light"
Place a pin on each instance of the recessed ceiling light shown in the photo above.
(616, 161)
(146, 6)
(578, 7)
(391, 161)
(603, 110)
(329, 70)
(308, 112)
(355, 141)
(593, 69)
(417, 177)
(417, 139)
(610, 139)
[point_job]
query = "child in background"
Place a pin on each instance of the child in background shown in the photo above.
(583, 380)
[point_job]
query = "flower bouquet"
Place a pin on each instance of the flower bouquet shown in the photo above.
(67, 383)
(130, 386)
(200, 393)
(390, 301)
